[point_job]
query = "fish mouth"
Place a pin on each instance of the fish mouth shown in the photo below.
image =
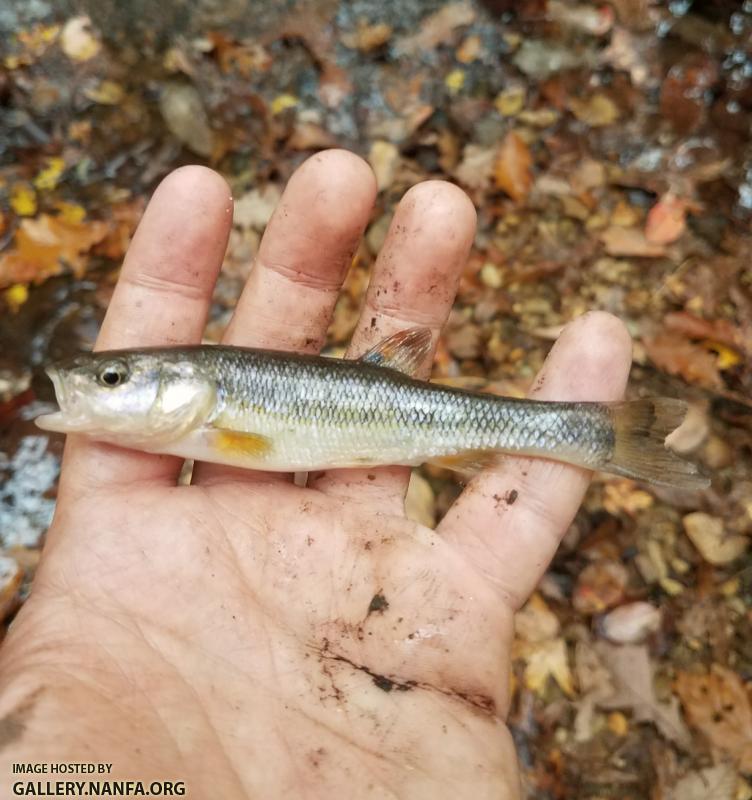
(64, 420)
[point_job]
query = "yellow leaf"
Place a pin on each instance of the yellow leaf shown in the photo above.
(49, 176)
(511, 101)
(727, 356)
(544, 660)
(70, 212)
(16, 296)
(23, 200)
(455, 80)
(107, 93)
(77, 40)
(618, 724)
(282, 102)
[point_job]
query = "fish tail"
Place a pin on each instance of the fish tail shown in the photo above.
(640, 430)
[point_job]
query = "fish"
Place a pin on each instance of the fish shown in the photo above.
(280, 411)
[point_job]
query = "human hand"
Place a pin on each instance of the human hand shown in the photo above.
(253, 638)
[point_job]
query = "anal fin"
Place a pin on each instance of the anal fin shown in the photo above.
(467, 462)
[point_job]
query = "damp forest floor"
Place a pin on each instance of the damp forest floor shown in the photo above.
(608, 151)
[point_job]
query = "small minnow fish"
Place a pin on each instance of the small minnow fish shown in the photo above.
(286, 412)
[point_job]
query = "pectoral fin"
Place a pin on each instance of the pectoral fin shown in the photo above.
(234, 443)
(404, 351)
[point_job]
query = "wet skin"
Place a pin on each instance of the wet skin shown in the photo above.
(257, 639)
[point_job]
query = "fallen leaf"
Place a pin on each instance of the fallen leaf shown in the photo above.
(282, 102)
(255, 208)
(106, 93)
(544, 660)
(367, 36)
(631, 623)
(511, 101)
(44, 245)
(78, 41)
(513, 167)
(678, 356)
(455, 80)
(23, 199)
(436, 28)
(711, 783)
(708, 535)
(475, 170)
(667, 220)
(718, 704)
(124, 217)
(535, 622)
(384, 159)
(621, 241)
(49, 176)
(597, 111)
(632, 675)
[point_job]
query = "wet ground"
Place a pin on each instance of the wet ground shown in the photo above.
(608, 150)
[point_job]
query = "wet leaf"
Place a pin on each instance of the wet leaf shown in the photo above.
(535, 622)
(629, 242)
(106, 93)
(513, 169)
(715, 545)
(43, 246)
(678, 356)
(632, 675)
(49, 176)
(282, 102)
(78, 41)
(437, 28)
(475, 170)
(597, 111)
(711, 783)
(368, 36)
(23, 200)
(667, 220)
(543, 661)
(717, 703)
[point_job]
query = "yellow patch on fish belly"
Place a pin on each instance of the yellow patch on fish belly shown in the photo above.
(241, 444)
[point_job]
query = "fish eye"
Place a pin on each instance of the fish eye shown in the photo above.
(113, 374)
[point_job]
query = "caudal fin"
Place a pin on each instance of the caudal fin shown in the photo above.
(640, 429)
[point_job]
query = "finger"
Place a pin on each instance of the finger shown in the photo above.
(510, 520)
(162, 298)
(308, 245)
(413, 285)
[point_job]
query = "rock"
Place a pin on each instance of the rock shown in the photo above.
(631, 623)
(420, 503)
(707, 534)
(600, 586)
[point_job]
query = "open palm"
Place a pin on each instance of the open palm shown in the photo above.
(254, 638)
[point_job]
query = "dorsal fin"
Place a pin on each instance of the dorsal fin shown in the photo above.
(404, 351)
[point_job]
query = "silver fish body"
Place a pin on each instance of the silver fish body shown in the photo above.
(287, 412)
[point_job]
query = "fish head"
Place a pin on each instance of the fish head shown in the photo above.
(129, 397)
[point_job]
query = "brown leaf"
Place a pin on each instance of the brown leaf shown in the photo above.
(718, 704)
(513, 168)
(629, 242)
(437, 28)
(600, 585)
(477, 166)
(45, 244)
(632, 673)
(677, 356)
(667, 220)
